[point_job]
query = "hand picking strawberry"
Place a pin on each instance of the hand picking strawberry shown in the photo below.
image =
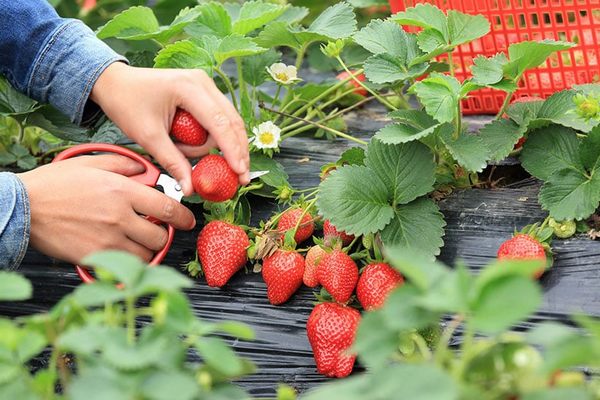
(187, 130)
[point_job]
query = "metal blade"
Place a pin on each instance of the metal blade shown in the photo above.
(256, 174)
(170, 187)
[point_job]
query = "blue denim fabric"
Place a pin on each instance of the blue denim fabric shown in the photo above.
(50, 59)
(14, 221)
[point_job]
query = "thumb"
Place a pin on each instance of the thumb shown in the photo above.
(171, 158)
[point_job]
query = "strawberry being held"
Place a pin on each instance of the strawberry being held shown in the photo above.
(375, 283)
(187, 130)
(331, 329)
(222, 251)
(213, 179)
(282, 272)
(523, 247)
(338, 274)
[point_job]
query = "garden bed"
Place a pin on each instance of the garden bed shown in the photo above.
(479, 220)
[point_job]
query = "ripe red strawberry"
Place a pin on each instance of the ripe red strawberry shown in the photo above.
(331, 329)
(361, 77)
(330, 231)
(523, 247)
(338, 274)
(187, 130)
(222, 251)
(375, 283)
(282, 272)
(289, 219)
(213, 179)
(313, 258)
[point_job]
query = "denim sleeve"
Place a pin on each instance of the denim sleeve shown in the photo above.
(14, 221)
(51, 59)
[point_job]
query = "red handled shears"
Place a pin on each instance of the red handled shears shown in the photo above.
(150, 177)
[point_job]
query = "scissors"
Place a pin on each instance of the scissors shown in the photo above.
(152, 177)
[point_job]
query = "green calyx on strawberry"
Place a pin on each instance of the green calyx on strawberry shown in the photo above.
(296, 217)
(526, 247)
(222, 251)
(187, 130)
(361, 91)
(282, 272)
(338, 274)
(331, 330)
(214, 180)
(376, 282)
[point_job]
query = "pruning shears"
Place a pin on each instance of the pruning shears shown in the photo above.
(151, 177)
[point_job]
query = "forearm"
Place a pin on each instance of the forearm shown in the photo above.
(14, 221)
(51, 59)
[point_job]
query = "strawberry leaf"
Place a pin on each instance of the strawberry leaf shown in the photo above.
(500, 137)
(468, 149)
(549, 150)
(236, 46)
(408, 170)
(355, 200)
(213, 19)
(336, 22)
(527, 55)
(488, 71)
(560, 109)
(254, 68)
(524, 112)
(277, 177)
(383, 37)
(293, 14)
(425, 16)
(184, 54)
(571, 194)
(13, 102)
(463, 28)
(254, 14)
(14, 287)
(401, 132)
(385, 68)
(439, 94)
(417, 225)
(278, 34)
(589, 150)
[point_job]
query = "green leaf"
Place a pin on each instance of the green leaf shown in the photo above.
(425, 16)
(142, 354)
(422, 270)
(97, 294)
(184, 54)
(504, 302)
(336, 22)
(86, 340)
(213, 19)
(439, 94)
(418, 225)
(375, 341)
(8, 372)
(408, 170)
(30, 344)
(469, 149)
(488, 71)
(219, 356)
(58, 124)
(236, 329)
(589, 150)
(14, 287)
(570, 194)
(108, 133)
(236, 46)
(161, 278)
(100, 383)
(254, 68)
(403, 133)
(293, 14)
(27, 162)
(277, 177)
(500, 137)
(356, 200)
(7, 158)
(523, 112)
(170, 385)
(383, 37)
(527, 55)
(560, 109)
(255, 14)
(125, 267)
(13, 102)
(353, 156)
(278, 34)
(135, 23)
(550, 150)
(449, 295)
(385, 68)
(463, 28)
(559, 394)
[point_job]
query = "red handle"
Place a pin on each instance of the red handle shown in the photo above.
(149, 178)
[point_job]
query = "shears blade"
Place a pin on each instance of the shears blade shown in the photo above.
(257, 174)
(170, 187)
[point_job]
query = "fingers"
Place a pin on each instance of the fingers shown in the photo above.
(197, 151)
(110, 162)
(139, 250)
(149, 201)
(168, 155)
(212, 109)
(151, 236)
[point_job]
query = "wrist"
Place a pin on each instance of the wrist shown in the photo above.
(107, 82)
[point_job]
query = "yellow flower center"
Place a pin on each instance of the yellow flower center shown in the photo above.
(266, 137)
(282, 76)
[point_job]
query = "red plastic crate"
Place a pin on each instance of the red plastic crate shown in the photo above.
(514, 21)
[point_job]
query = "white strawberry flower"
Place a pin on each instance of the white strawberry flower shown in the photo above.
(284, 74)
(266, 135)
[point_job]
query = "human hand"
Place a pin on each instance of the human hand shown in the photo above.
(143, 101)
(86, 204)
